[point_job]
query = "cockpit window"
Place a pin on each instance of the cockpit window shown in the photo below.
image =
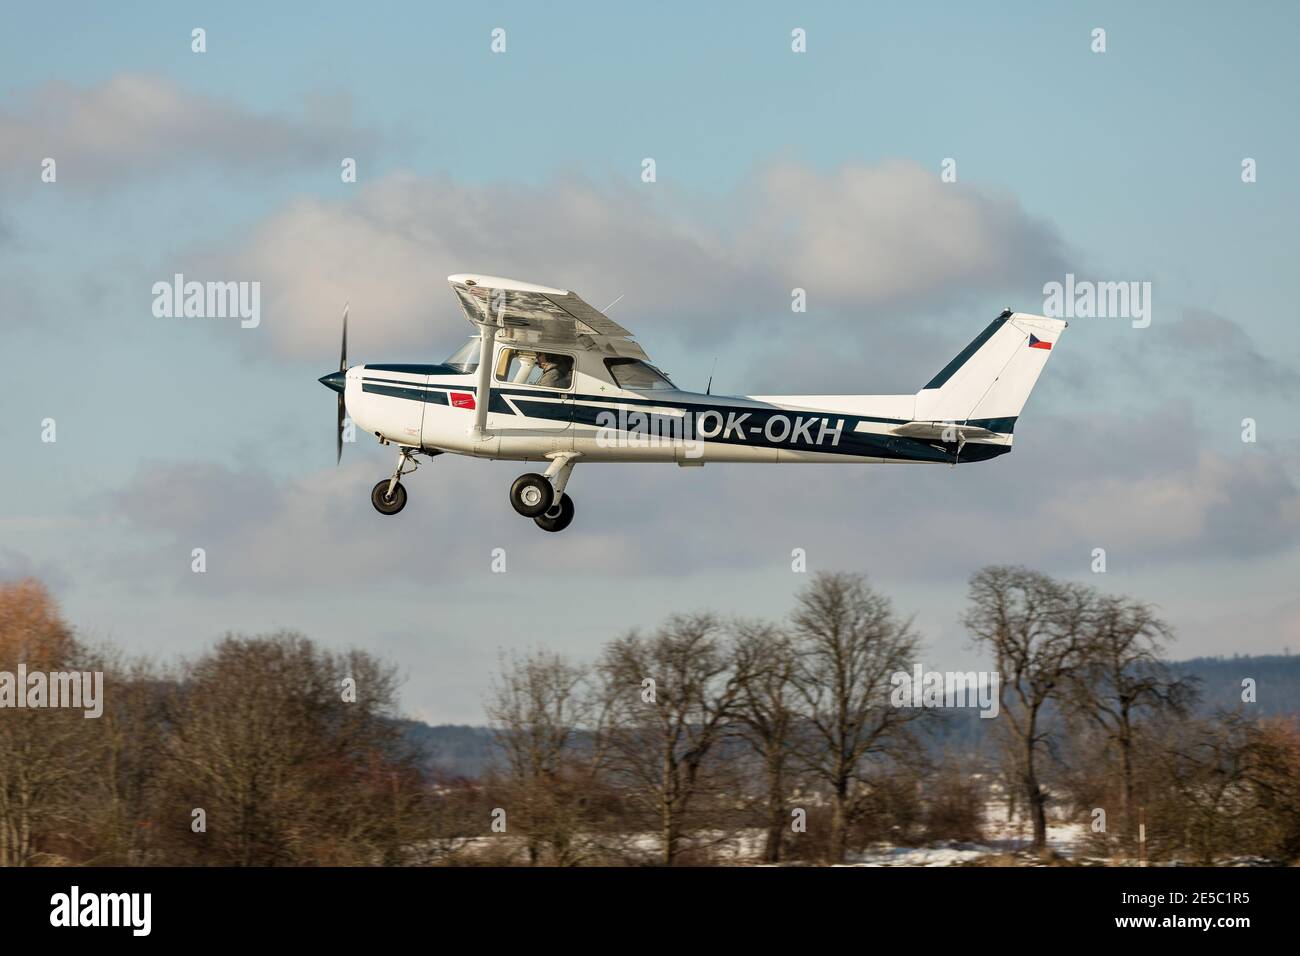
(526, 367)
(465, 358)
(633, 373)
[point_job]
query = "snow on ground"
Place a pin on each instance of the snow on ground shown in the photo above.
(949, 854)
(1062, 839)
(1001, 838)
(1067, 839)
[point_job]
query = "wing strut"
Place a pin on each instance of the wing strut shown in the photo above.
(483, 394)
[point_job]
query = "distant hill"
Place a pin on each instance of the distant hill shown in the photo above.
(453, 750)
(1277, 682)
(458, 750)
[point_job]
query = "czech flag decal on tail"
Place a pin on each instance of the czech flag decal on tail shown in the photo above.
(1036, 343)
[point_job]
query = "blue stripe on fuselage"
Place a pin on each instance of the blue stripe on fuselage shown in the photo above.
(736, 424)
(408, 392)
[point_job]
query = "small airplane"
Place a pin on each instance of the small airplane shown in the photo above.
(549, 378)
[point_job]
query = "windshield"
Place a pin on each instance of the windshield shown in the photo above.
(465, 358)
(632, 373)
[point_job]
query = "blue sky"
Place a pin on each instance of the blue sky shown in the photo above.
(174, 433)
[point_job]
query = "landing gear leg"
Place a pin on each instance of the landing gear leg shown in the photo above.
(388, 496)
(560, 514)
(559, 471)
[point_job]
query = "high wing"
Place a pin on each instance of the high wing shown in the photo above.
(541, 316)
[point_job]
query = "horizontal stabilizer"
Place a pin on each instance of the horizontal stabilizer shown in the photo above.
(943, 431)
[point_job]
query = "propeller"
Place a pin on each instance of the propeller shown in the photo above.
(343, 367)
(338, 381)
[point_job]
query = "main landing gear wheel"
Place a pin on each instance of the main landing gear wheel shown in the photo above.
(558, 517)
(531, 495)
(383, 502)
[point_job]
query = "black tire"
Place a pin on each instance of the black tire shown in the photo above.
(385, 505)
(559, 517)
(531, 495)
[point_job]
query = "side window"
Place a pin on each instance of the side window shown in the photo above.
(514, 366)
(526, 367)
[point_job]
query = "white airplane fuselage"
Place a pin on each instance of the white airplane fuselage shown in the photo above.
(550, 379)
(431, 408)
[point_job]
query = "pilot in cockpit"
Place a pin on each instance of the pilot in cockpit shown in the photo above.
(555, 370)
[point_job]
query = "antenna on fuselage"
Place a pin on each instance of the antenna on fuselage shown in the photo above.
(709, 389)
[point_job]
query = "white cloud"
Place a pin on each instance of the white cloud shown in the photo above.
(866, 240)
(1072, 487)
(135, 125)
(888, 234)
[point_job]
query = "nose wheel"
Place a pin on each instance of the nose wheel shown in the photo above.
(542, 497)
(388, 502)
(388, 496)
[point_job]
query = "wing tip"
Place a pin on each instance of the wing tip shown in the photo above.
(500, 282)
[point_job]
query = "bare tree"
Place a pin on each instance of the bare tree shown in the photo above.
(848, 644)
(1273, 775)
(124, 758)
(290, 753)
(1225, 787)
(41, 749)
(765, 717)
(1202, 798)
(1123, 677)
(1037, 629)
(537, 707)
(670, 699)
